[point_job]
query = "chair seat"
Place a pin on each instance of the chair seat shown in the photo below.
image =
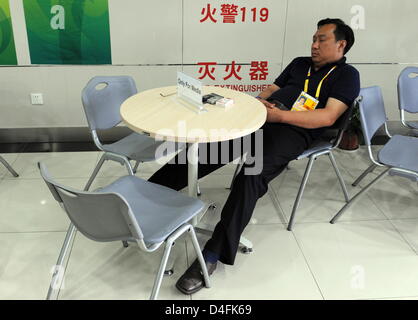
(412, 124)
(154, 205)
(316, 146)
(400, 152)
(138, 147)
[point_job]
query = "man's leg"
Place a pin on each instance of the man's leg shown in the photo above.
(281, 144)
(212, 156)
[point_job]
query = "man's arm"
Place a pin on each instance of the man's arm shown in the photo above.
(266, 93)
(317, 118)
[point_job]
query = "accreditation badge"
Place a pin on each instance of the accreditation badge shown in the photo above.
(304, 102)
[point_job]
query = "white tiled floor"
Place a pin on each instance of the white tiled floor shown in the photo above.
(371, 253)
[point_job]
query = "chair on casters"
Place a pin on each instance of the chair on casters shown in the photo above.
(398, 156)
(408, 96)
(8, 167)
(102, 98)
(129, 209)
(319, 148)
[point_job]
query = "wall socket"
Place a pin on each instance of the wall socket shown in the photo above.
(37, 98)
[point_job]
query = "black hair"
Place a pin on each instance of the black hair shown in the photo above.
(342, 31)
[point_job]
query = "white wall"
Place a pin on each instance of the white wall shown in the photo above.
(152, 39)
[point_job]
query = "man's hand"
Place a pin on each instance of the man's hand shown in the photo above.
(266, 103)
(274, 114)
(309, 119)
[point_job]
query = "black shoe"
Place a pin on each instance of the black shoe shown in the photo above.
(192, 280)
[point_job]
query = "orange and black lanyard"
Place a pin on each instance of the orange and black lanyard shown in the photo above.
(318, 90)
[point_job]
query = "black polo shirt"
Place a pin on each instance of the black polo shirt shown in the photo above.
(343, 83)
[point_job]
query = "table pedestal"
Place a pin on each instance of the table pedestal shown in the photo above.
(193, 160)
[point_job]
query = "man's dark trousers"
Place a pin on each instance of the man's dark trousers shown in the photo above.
(281, 144)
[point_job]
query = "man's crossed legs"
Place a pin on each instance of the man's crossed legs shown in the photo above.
(281, 144)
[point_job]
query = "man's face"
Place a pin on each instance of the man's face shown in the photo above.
(325, 49)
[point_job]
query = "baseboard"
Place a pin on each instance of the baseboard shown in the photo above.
(79, 138)
(54, 135)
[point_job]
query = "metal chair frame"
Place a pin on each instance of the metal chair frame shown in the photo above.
(391, 170)
(8, 167)
(136, 235)
(405, 103)
(327, 150)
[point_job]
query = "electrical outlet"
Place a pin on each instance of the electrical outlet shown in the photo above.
(37, 98)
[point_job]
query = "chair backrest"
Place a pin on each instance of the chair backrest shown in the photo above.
(372, 111)
(99, 216)
(102, 98)
(408, 89)
(341, 124)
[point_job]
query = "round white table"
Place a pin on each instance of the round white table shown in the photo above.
(162, 115)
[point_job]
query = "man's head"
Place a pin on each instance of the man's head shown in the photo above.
(331, 42)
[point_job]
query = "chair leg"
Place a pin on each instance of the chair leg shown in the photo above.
(169, 268)
(8, 167)
(300, 192)
(357, 196)
(198, 189)
(59, 271)
(136, 167)
(159, 277)
(365, 173)
(129, 167)
(95, 171)
(340, 178)
(200, 256)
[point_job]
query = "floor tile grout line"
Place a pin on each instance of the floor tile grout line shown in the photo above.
(281, 183)
(285, 216)
(321, 222)
(376, 204)
(384, 214)
(404, 238)
(4, 176)
(276, 204)
(393, 226)
(308, 265)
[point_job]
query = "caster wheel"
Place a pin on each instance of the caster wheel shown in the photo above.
(246, 250)
(168, 273)
(199, 194)
(125, 244)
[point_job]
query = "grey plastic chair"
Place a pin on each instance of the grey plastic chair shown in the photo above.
(8, 167)
(102, 98)
(129, 209)
(408, 95)
(321, 148)
(318, 148)
(398, 156)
